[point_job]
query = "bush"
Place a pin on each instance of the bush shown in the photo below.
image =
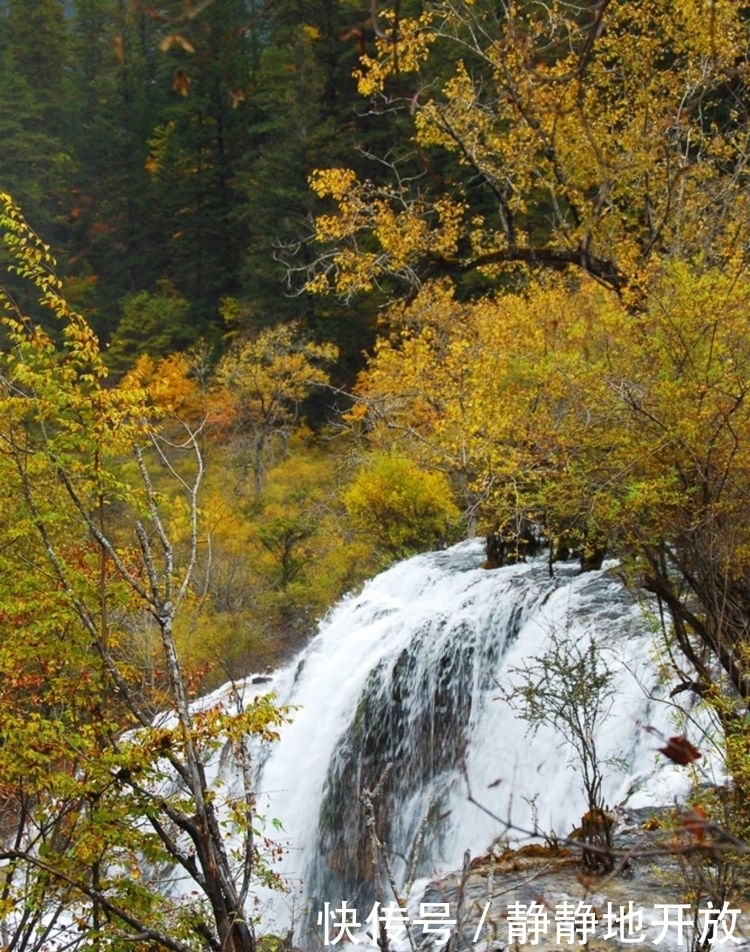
(402, 508)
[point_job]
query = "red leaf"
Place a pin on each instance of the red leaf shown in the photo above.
(694, 821)
(680, 750)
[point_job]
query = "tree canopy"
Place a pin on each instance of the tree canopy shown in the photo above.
(563, 253)
(104, 774)
(600, 137)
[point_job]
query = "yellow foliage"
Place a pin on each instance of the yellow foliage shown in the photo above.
(564, 406)
(597, 138)
(259, 386)
(401, 508)
(88, 561)
(272, 567)
(402, 47)
(332, 183)
(171, 386)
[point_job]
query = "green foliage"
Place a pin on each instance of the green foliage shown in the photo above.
(196, 143)
(154, 143)
(37, 162)
(38, 45)
(308, 114)
(116, 92)
(399, 507)
(156, 324)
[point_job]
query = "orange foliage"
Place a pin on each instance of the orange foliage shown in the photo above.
(695, 822)
(171, 386)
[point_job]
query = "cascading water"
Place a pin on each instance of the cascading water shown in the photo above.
(408, 672)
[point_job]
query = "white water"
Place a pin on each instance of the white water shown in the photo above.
(408, 672)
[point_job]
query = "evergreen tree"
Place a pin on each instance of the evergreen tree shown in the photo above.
(38, 43)
(195, 149)
(118, 100)
(308, 109)
(36, 163)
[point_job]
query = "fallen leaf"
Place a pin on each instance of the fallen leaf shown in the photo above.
(680, 750)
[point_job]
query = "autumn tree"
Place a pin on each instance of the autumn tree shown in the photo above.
(262, 385)
(401, 508)
(281, 560)
(603, 430)
(416, 397)
(604, 144)
(105, 784)
(598, 138)
(270, 565)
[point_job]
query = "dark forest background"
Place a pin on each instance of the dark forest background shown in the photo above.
(163, 152)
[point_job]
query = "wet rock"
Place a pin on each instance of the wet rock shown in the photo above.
(545, 887)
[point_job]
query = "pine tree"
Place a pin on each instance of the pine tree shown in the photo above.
(37, 161)
(117, 101)
(195, 148)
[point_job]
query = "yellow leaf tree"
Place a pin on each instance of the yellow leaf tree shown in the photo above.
(104, 783)
(593, 137)
(564, 256)
(260, 386)
(597, 428)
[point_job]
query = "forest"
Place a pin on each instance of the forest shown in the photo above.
(293, 289)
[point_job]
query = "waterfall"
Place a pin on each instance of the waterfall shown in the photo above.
(408, 672)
